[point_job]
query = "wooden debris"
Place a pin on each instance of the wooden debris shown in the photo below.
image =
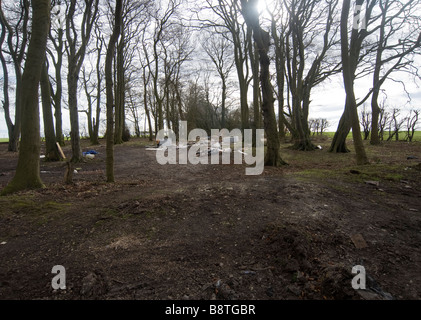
(373, 183)
(359, 241)
(61, 151)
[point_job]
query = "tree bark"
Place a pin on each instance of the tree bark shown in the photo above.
(339, 139)
(120, 94)
(375, 114)
(57, 96)
(51, 153)
(262, 39)
(27, 174)
(6, 101)
(72, 80)
(145, 101)
(348, 77)
(109, 89)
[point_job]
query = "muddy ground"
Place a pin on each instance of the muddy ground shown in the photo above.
(211, 232)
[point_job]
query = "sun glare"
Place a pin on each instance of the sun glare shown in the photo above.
(265, 6)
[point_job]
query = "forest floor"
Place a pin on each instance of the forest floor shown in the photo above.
(184, 232)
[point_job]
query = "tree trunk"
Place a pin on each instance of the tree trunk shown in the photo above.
(109, 90)
(375, 114)
(375, 109)
(76, 58)
(119, 95)
(95, 137)
(223, 102)
(349, 86)
(59, 90)
(145, 101)
(51, 153)
(245, 113)
(301, 134)
(239, 58)
(262, 39)
(72, 81)
(6, 101)
(27, 174)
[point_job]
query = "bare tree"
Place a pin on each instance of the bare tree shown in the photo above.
(52, 152)
(27, 174)
(324, 124)
(17, 41)
(218, 48)
(163, 22)
(411, 124)
(395, 124)
(77, 43)
(228, 16)
(383, 121)
(350, 53)
(146, 76)
(92, 95)
(262, 39)
(174, 56)
(56, 37)
(399, 40)
(314, 126)
(366, 122)
(309, 38)
(278, 28)
(109, 89)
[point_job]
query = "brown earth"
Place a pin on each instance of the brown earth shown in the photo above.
(211, 232)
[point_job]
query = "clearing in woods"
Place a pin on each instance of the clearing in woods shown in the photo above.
(211, 232)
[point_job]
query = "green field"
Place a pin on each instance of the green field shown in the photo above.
(402, 135)
(4, 140)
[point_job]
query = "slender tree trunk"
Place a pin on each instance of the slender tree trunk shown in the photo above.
(96, 120)
(72, 80)
(109, 90)
(59, 90)
(245, 113)
(27, 174)
(51, 153)
(280, 79)
(148, 116)
(256, 87)
(349, 86)
(6, 101)
(375, 114)
(120, 94)
(375, 109)
(240, 58)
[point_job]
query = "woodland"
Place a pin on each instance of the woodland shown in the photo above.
(87, 85)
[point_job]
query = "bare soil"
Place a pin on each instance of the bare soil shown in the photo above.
(185, 232)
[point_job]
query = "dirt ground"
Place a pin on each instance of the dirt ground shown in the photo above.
(185, 232)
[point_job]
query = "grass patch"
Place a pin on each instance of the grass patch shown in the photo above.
(352, 174)
(28, 207)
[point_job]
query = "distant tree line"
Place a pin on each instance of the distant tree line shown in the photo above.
(392, 124)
